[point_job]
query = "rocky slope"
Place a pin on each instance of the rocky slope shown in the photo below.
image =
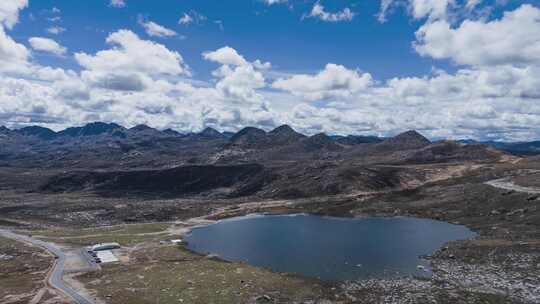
(112, 160)
(229, 181)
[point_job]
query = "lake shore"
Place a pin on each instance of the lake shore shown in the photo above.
(501, 265)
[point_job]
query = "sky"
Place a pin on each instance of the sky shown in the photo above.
(447, 68)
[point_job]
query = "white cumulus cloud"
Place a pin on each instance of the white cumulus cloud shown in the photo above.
(333, 82)
(192, 17)
(514, 38)
(117, 3)
(9, 11)
(55, 30)
(225, 55)
(155, 30)
(11, 50)
(185, 19)
(272, 2)
(430, 8)
(419, 9)
(132, 54)
(47, 45)
(319, 12)
(238, 78)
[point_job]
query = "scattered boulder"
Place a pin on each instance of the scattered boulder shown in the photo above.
(263, 299)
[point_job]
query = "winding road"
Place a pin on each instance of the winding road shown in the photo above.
(55, 277)
(507, 184)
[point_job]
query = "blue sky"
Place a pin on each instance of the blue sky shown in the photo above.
(450, 68)
(274, 33)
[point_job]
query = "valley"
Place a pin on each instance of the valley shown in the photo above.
(143, 187)
(270, 152)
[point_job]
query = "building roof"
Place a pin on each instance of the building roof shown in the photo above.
(105, 246)
(106, 256)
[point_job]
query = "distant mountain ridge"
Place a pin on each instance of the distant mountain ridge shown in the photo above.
(251, 137)
(211, 133)
(43, 133)
(94, 128)
(407, 140)
(105, 145)
(517, 148)
(258, 138)
(281, 163)
(356, 139)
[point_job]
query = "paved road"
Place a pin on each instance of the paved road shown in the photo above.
(507, 184)
(55, 278)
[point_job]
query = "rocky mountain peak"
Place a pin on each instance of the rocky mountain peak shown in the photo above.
(91, 129)
(408, 140)
(283, 129)
(321, 141)
(141, 127)
(284, 134)
(41, 132)
(321, 138)
(250, 133)
(171, 132)
(211, 133)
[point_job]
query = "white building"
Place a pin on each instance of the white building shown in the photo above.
(105, 246)
(106, 256)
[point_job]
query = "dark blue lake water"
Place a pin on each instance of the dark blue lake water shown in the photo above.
(327, 247)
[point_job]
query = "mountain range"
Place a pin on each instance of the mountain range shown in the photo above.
(105, 145)
(518, 148)
(113, 160)
(244, 137)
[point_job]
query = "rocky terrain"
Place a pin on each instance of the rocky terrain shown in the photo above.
(103, 146)
(111, 160)
(104, 174)
(518, 148)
